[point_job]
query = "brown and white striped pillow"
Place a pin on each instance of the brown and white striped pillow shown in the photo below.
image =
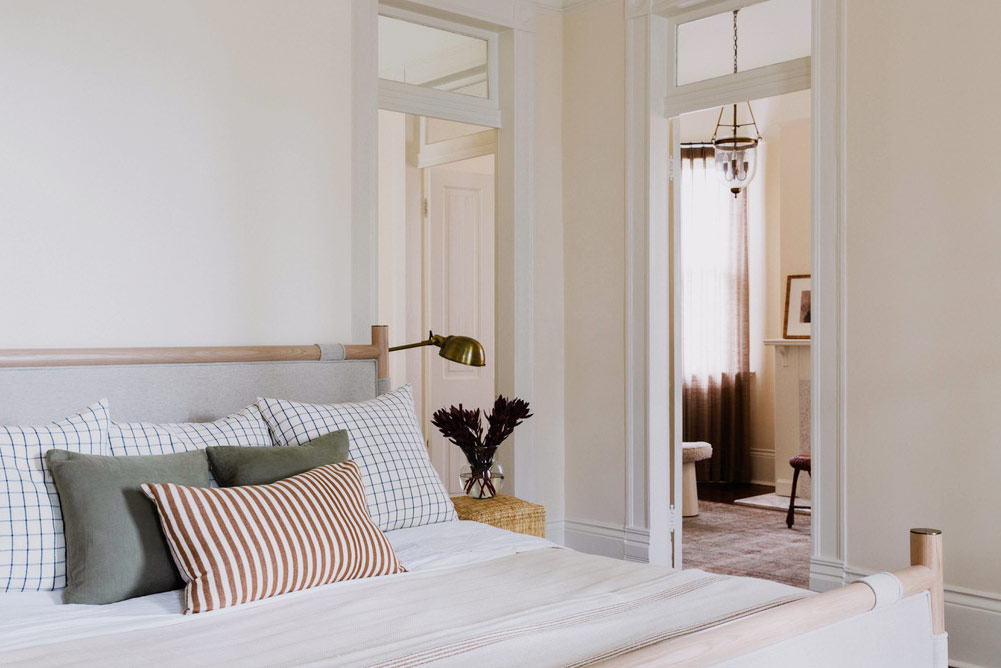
(233, 545)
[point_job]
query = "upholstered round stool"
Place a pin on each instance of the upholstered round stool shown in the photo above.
(798, 463)
(692, 452)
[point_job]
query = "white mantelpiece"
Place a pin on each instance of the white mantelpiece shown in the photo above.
(792, 410)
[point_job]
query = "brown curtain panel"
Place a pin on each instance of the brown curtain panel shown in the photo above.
(715, 318)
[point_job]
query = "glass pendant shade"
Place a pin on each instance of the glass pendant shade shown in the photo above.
(736, 161)
(737, 154)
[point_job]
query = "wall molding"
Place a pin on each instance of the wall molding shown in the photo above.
(777, 79)
(607, 539)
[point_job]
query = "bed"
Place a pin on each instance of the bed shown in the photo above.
(472, 594)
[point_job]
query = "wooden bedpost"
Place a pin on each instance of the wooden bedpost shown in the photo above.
(380, 339)
(926, 550)
(378, 350)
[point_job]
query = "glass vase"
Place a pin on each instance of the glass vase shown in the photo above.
(483, 483)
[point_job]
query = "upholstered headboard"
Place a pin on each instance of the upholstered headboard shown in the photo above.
(184, 384)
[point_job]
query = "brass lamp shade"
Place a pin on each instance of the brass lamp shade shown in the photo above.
(461, 349)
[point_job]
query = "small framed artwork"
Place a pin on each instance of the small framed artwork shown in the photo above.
(796, 324)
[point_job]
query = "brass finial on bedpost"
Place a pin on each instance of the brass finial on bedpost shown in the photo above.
(926, 550)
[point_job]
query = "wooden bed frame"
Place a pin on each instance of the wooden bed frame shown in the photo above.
(700, 649)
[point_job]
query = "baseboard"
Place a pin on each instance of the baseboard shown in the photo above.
(826, 574)
(607, 539)
(556, 531)
(762, 467)
(972, 619)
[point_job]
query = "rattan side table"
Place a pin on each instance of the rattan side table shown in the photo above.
(504, 512)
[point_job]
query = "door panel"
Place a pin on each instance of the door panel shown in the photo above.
(460, 297)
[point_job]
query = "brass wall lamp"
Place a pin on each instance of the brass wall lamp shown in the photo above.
(461, 349)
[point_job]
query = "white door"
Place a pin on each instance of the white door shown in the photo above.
(459, 299)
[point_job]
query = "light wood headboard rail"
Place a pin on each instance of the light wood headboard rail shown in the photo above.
(30, 357)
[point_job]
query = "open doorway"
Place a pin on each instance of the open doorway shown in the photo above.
(436, 261)
(746, 377)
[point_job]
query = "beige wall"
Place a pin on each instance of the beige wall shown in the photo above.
(549, 272)
(594, 247)
(393, 293)
(175, 173)
(923, 283)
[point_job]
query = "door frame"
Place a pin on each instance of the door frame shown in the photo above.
(514, 192)
(653, 297)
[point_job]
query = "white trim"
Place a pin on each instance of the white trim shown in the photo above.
(651, 391)
(410, 99)
(515, 249)
(514, 23)
(556, 531)
(393, 94)
(653, 499)
(364, 169)
(826, 574)
(457, 148)
(495, 15)
(827, 349)
(777, 79)
(607, 539)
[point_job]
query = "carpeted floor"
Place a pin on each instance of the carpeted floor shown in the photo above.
(735, 540)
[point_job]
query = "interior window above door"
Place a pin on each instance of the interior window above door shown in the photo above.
(705, 46)
(421, 55)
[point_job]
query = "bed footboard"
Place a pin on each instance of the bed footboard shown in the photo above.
(772, 626)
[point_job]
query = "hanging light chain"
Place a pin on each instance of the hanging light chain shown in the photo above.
(735, 40)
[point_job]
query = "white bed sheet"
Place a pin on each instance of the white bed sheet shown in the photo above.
(34, 618)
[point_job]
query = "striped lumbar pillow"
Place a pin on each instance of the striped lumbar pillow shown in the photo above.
(238, 544)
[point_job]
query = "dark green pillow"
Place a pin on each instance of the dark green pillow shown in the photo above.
(234, 465)
(115, 548)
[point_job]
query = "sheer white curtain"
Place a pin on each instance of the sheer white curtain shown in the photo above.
(715, 315)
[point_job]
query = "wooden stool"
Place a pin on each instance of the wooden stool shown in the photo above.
(692, 452)
(798, 463)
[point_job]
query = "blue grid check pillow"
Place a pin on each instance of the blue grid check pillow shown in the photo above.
(402, 488)
(246, 427)
(32, 550)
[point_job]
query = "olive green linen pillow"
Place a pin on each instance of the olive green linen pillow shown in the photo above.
(236, 466)
(115, 548)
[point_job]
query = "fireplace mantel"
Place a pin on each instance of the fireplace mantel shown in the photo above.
(792, 410)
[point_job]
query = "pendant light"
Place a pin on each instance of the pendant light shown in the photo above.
(736, 154)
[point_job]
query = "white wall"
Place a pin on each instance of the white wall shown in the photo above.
(923, 280)
(550, 330)
(393, 241)
(594, 268)
(174, 173)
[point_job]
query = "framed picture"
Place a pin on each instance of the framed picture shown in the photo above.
(796, 324)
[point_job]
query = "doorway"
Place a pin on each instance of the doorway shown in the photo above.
(436, 262)
(746, 380)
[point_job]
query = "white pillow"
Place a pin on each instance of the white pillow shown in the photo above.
(402, 488)
(144, 438)
(32, 549)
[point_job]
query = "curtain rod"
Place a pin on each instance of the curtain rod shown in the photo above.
(697, 143)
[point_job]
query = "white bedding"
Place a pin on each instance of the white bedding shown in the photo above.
(474, 595)
(40, 617)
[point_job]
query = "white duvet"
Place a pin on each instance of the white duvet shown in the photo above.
(38, 618)
(474, 595)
